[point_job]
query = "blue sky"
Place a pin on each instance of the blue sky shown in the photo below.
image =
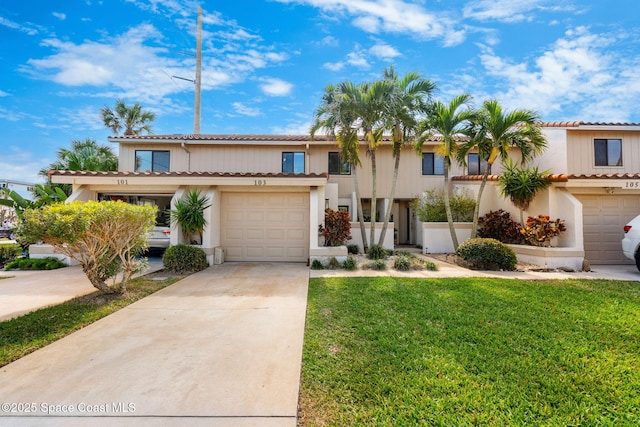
(266, 62)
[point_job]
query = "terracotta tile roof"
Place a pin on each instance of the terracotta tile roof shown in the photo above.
(187, 174)
(553, 178)
(241, 138)
(575, 124)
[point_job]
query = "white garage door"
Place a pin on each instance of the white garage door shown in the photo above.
(604, 218)
(265, 226)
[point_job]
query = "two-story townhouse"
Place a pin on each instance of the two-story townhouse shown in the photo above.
(269, 192)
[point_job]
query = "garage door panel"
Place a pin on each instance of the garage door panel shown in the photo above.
(603, 219)
(265, 226)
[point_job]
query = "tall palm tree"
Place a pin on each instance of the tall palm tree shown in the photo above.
(410, 96)
(369, 103)
(447, 121)
(493, 132)
(336, 116)
(84, 155)
(132, 119)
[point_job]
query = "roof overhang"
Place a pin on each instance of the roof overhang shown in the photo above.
(173, 179)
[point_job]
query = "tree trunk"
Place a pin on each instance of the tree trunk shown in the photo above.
(96, 280)
(363, 231)
(447, 204)
(476, 212)
(374, 200)
(387, 215)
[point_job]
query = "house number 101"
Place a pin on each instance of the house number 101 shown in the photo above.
(260, 182)
(121, 181)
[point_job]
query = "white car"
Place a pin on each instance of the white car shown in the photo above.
(631, 240)
(159, 237)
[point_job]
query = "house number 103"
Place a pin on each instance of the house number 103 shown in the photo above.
(260, 182)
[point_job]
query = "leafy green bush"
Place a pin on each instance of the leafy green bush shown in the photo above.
(184, 259)
(487, 254)
(317, 265)
(430, 206)
(499, 225)
(402, 263)
(333, 264)
(353, 249)
(377, 264)
(8, 253)
(48, 263)
(376, 252)
(350, 264)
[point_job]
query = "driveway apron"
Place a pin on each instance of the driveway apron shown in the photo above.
(222, 347)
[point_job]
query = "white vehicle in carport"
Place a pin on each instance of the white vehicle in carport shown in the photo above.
(631, 240)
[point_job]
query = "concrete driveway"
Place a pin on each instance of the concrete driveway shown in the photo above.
(222, 347)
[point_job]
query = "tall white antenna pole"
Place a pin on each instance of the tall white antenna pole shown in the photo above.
(196, 101)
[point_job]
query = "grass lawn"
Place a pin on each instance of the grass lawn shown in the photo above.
(25, 334)
(390, 351)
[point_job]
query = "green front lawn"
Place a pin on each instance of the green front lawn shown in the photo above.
(391, 351)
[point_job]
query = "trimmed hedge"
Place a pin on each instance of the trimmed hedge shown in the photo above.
(184, 259)
(487, 254)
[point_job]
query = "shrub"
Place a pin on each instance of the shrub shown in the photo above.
(540, 230)
(353, 249)
(106, 238)
(317, 265)
(184, 259)
(334, 264)
(377, 264)
(487, 254)
(499, 225)
(376, 252)
(8, 253)
(350, 264)
(430, 206)
(402, 263)
(48, 263)
(337, 227)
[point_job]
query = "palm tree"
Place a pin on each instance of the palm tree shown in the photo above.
(84, 155)
(493, 132)
(409, 97)
(522, 184)
(336, 117)
(132, 119)
(447, 121)
(369, 103)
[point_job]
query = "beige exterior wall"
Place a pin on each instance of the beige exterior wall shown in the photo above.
(581, 157)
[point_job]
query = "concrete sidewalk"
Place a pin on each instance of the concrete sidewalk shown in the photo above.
(25, 291)
(222, 347)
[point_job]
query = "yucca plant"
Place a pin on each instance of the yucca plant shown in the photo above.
(189, 215)
(521, 185)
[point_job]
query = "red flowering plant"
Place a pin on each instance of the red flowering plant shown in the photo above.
(539, 230)
(337, 227)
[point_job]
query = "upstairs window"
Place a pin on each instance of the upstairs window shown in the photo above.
(152, 161)
(475, 165)
(432, 164)
(293, 162)
(337, 166)
(608, 152)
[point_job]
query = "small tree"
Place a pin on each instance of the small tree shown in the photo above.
(521, 185)
(189, 214)
(337, 227)
(104, 237)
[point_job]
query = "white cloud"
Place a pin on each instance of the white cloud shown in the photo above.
(276, 87)
(329, 41)
(293, 128)
(384, 51)
(3, 94)
(333, 66)
(392, 16)
(357, 59)
(244, 110)
(511, 10)
(19, 165)
(60, 16)
(27, 28)
(578, 75)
